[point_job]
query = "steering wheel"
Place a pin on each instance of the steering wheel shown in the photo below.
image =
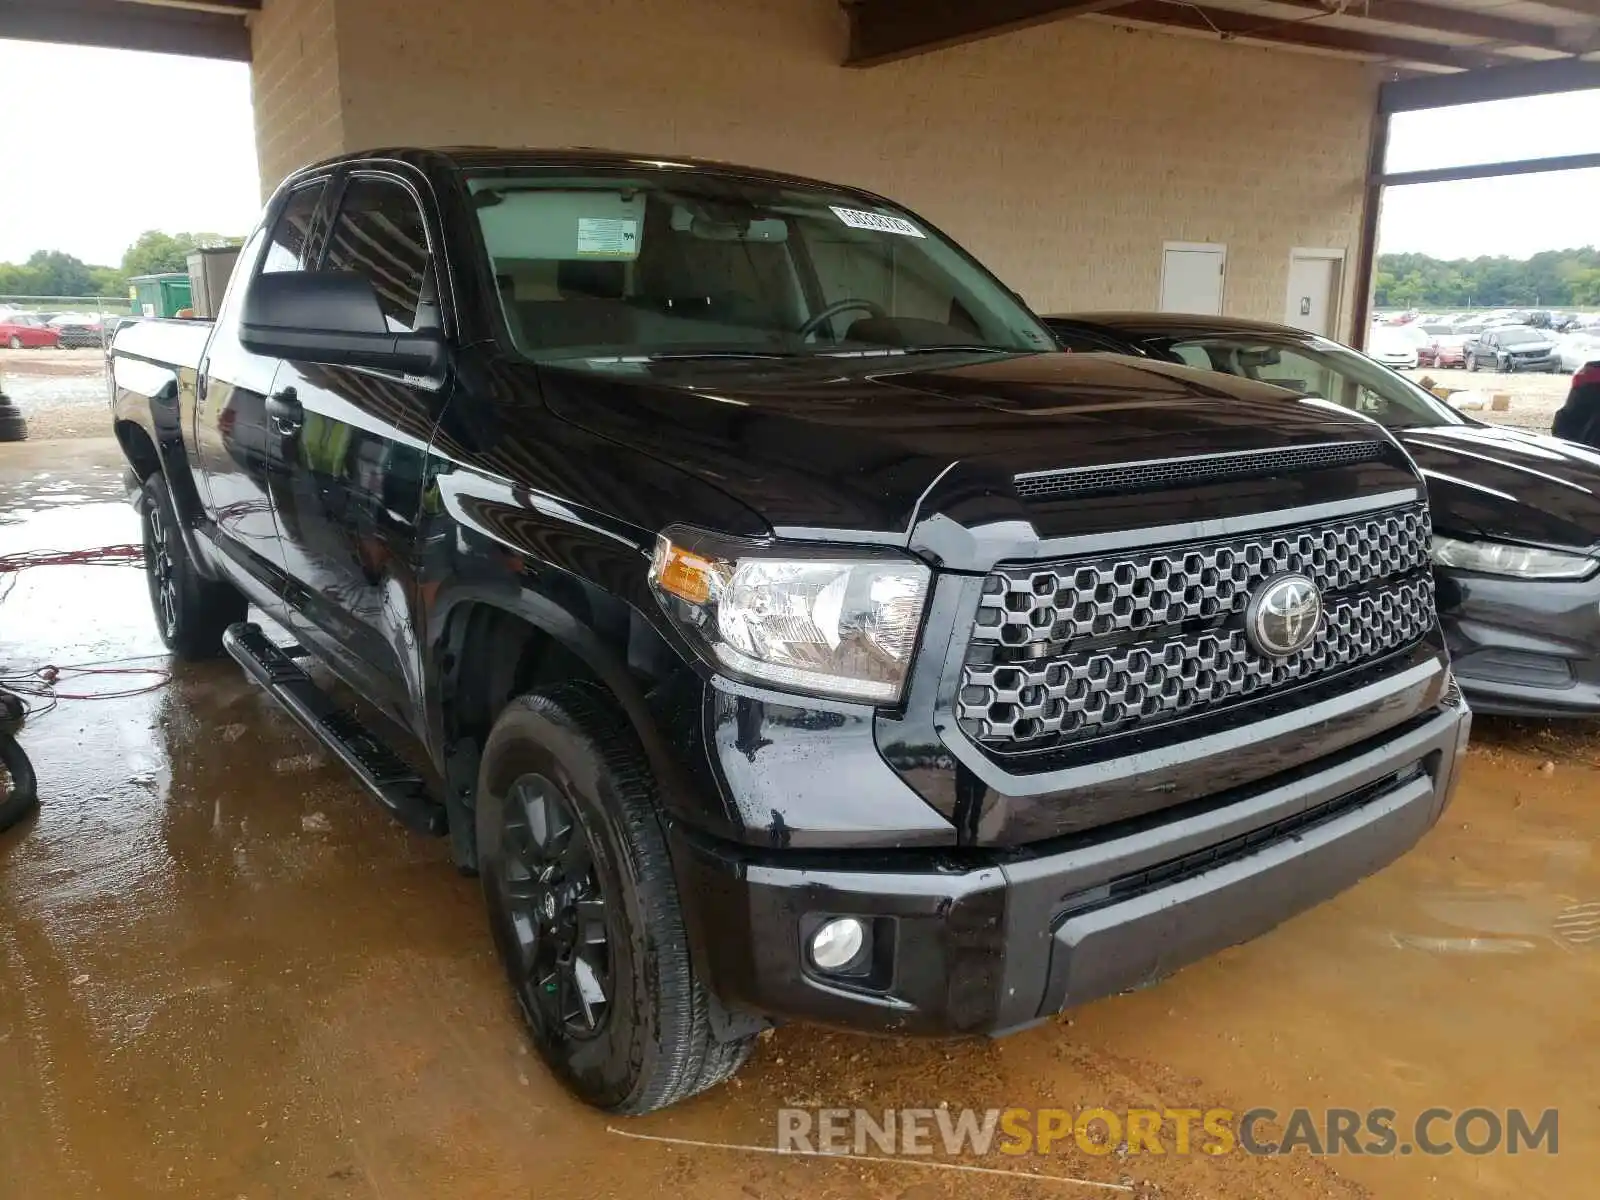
(848, 304)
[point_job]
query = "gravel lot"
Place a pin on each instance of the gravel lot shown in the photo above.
(1534, 398)
(62, 393)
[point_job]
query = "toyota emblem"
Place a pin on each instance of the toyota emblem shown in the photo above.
(1283, 615)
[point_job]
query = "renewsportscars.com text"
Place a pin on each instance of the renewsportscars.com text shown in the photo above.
(1213, 1131)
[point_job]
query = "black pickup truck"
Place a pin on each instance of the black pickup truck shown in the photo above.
(768, 613)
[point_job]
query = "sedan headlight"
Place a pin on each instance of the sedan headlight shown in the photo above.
(824, 623)
(1498, 558)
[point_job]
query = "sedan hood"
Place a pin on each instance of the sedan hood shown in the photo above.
(868, 445)
(1506, 484)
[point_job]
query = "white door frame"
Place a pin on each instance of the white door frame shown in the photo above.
(1198, 247)
(1336, 314)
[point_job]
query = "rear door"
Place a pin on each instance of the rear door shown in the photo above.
(354, 466)
(235, 439)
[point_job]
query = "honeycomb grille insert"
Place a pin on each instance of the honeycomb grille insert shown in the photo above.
(1073, 651)
(1179, 472)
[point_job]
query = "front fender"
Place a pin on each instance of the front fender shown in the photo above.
(580, 579)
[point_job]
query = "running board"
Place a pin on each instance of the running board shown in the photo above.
(397, 786)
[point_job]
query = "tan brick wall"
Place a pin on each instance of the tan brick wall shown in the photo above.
(1063, 156)
(295, 84)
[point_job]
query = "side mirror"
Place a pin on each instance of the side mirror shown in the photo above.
(333, 318)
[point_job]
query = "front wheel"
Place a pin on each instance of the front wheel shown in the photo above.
(1472, 363)
(584, 907)
(191, 611)
(15, 343)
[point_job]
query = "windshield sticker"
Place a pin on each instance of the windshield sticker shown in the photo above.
(608, 237)
(857, 219)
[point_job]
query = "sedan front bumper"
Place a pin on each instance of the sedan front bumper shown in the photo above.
(1524, 647)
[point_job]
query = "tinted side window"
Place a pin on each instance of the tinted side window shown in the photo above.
(379, 233)
(1073, 338)
(291, 233)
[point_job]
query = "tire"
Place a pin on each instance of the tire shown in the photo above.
(1472, 362)
(191, 611)
(13, 428)
(15, 343)
(566, 808)
(22, 796)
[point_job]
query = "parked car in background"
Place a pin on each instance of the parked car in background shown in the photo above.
(1513, 348)
(79, 330)
(1450, 347)
(1514, 513)
(1578, 349)
(24, 331)
(1398, 346)
(1579, 418)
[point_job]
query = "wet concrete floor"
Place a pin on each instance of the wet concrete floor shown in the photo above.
(224, 973)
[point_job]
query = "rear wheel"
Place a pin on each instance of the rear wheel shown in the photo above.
(584, 907)
(15, 343)
(191, 611)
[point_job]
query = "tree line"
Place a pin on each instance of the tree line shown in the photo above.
(54, 273)
(1550, 279)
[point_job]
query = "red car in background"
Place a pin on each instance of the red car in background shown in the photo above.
(1446, 345)
(20, 331)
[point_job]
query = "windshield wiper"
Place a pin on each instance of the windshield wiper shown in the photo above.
(896, 351)
(687, 355)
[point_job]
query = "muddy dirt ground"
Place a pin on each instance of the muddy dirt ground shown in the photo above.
(224, 973)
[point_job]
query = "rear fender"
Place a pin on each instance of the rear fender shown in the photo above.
(147, 412)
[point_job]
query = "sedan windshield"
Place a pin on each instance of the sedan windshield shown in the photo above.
(1323, 370)
(608, 266)
(1519, 337)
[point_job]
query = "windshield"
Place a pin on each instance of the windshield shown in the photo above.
(1322, 369)
(605, 266)
(1517, 337)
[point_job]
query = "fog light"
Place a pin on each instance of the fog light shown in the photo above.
(838, 943)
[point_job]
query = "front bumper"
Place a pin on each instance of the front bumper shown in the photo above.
(1549, 363)
(989, 941)
(1521, 647)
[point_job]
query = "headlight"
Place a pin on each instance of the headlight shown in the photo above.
(1498, 558)
(825, 623)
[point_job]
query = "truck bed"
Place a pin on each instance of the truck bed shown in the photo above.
(168, 342)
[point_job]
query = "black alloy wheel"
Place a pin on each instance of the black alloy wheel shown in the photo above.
(159, 573)
(583, 905)
(557, 910)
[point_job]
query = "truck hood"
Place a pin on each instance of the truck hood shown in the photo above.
(837, 446)
(1502, 483)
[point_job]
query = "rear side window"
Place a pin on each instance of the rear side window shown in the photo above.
(379, 233)
(291, 232)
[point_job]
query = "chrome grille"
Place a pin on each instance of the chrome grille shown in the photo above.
(1075, 650)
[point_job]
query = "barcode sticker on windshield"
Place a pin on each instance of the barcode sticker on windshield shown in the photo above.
(608, 237)
(857, 219)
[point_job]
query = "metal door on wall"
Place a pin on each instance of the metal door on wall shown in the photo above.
(1314, 284)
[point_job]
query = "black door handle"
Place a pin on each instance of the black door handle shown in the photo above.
(284, 411)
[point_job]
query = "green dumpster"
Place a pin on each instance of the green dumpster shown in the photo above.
(162, 295)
